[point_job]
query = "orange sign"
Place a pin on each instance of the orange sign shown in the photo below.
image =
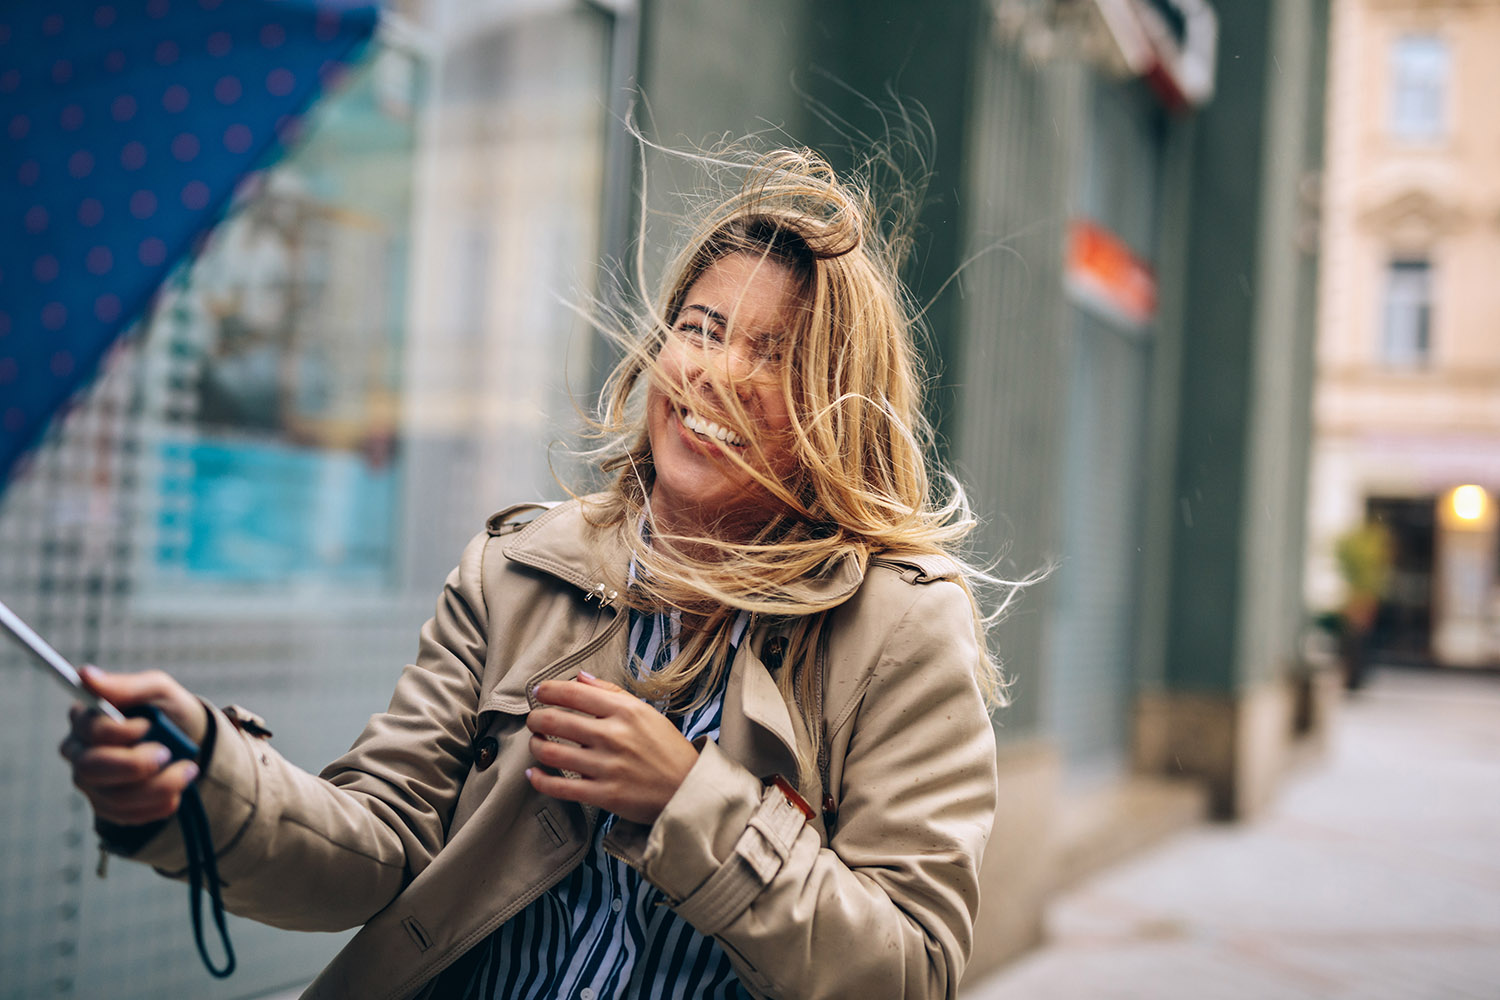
(1105, 275)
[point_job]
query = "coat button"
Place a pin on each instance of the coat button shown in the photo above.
(775, 650)
(485, 751)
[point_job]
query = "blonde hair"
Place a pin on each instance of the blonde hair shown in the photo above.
(852, 379)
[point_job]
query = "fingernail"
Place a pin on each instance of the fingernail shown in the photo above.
(89, 670)
(192, 771)
(527, 772)
(587, 676)
(163, 756)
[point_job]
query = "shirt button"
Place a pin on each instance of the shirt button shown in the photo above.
(587, 993)
(616, 905)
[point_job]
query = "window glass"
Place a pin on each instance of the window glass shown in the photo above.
(267, 483)
(1408, 312)
(272, 402)
(1419, 87)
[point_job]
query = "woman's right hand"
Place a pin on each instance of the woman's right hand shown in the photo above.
(127, 781)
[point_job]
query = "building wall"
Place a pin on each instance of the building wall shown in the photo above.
(1230, 643)
(1412, 430)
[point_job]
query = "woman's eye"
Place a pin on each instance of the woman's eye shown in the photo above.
(700, 331)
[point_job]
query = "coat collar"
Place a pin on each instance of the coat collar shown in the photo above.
(566, 543)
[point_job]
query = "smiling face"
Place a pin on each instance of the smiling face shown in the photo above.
(724, 346)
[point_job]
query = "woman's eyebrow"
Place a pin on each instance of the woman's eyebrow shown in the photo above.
(712, 314)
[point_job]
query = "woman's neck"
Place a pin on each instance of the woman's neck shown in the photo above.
(695, 532)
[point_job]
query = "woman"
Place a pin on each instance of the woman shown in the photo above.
(718, 730)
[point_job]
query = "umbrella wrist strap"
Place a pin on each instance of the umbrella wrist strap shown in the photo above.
(203, 867)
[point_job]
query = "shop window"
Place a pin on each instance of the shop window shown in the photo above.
(272, 385)
(1420, 67)
(1406, 341)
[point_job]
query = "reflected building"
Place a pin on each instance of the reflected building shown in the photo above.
(1408, 396)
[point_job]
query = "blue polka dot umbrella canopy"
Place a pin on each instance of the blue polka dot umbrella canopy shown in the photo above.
(124, 130)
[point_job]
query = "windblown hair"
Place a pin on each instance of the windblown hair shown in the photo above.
(852, 378)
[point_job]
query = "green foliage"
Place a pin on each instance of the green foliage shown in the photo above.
(1364, 558)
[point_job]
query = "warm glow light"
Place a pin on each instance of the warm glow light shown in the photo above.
(1468, 503)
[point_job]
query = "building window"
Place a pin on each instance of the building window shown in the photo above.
(1419, 87)
(1408, 312)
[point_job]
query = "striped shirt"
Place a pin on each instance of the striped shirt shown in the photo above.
(604, 931)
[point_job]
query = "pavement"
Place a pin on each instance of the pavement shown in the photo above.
(1374, 876)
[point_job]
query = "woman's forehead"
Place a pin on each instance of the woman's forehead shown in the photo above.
(754, 293)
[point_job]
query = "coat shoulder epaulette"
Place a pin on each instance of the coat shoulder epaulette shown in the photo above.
(919, 567)
(516, 516)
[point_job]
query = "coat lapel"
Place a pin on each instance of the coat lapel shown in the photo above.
(758, 730)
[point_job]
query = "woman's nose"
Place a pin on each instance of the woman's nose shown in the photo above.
(727, 363)
(716, 382)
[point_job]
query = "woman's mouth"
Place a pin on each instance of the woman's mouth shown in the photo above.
(705, 428)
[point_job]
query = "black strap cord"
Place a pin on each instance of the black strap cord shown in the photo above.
(197, 841)
(203, 866)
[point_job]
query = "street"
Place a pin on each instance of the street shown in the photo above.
(1375, 875)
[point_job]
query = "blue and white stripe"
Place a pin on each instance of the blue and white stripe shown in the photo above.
(604, 931)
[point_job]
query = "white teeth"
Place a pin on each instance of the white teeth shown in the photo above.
(707, 428)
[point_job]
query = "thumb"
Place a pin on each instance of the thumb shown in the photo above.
(125, 690)
(150, 687)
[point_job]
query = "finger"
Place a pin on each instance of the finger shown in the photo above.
(565, 757)
(93, 728)
(566, 789)
(581, 729)
(587, 678)
(134, 812)
(582, 697)
(145, 802)
(108, 767)
(69, 748)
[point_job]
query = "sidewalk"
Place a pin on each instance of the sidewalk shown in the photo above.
(1376, 876)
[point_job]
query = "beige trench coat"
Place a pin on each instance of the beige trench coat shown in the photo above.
(431, 844)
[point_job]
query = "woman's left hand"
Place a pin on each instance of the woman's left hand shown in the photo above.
(630, 757)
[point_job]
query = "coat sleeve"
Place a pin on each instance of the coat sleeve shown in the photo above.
(887, 908)
(327, 852)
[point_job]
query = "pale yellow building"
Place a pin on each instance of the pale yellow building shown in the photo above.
(1407, 405)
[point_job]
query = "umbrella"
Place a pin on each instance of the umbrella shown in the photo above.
(126, 127)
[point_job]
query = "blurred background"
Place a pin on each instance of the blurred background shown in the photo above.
(1211, 297)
